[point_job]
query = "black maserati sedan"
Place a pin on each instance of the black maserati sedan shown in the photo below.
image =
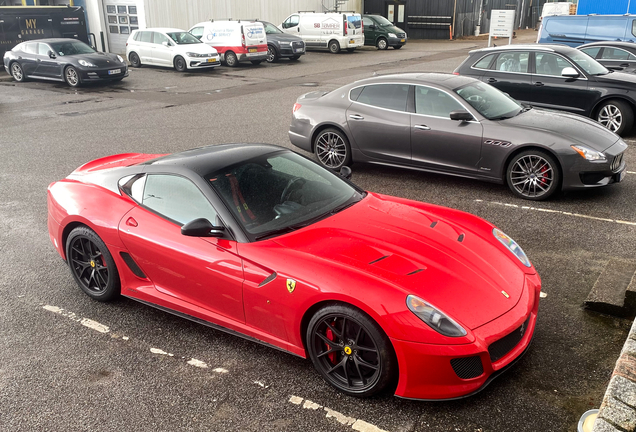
(614, 55)
(557, 77)
(67, 60)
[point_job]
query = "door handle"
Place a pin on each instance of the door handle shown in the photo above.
(422, 127)
(624, 65)
(539, 84)
(131, 222)
(356, 117)
(492, 80)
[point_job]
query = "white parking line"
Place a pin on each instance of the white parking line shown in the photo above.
(356, 424)
(578, 215)
(83, 321)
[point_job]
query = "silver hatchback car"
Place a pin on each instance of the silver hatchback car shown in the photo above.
(460, 126)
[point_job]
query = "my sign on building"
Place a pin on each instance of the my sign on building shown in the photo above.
(502, 23)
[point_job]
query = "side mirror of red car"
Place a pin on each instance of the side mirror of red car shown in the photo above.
(202, 228)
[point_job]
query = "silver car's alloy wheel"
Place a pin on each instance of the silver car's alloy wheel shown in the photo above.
(611, 117)
(382, 44)
(71, 77)
(16, 72)
(532, 176)
(271, 55)
(331, 150)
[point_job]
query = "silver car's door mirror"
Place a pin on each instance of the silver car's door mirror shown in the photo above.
(52, 54)
(570, 72)
(461, 115)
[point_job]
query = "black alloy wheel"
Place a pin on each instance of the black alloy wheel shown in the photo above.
(382, 44)
(533, 175)
(230, 59)
(92, 265)
(272, 54)
(332, 149)
(616, 116)
(72, 76)
(135, 61)
(351, 351)
(334, 46)
(16, 72)
(180, 64)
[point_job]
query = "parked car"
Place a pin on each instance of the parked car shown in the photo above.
(171, 48)
(265, 244)
(67, 60)
(382, 33)
(574, 30)
(282, 45)
(459, 126)
(236, 41)
(557, 77)
(617, 56)
(332, 30)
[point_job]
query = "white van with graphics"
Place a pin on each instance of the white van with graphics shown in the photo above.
(333, 31)
(236, 41)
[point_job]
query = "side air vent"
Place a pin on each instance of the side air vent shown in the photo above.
(268, 279)
(132, 265)
(379, 259)
(433, 224)
(415, 272)
(460, 238)
(467, 367)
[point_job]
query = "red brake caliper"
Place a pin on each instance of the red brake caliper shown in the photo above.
(332, 356)
(544, 181)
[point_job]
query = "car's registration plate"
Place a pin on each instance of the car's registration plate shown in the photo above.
(352, 41)
(298, 50)
(252, 50)
(211, 60)
(402, 40)
(114, 71)
(620, 176)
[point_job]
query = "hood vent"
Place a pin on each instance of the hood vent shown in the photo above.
(460, 238)
(379, 259)
(433, 224)
(416, 271)
(268, 279)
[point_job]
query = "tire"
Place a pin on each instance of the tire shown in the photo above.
(92, 265)
(334, 46)
(180, 64)
(332, 149)
(272, 54)
(230, 59)
(17, 72)
(382, 44)
(398, 46)
(351, 351)
(296, 57)
(71, 76)
(615, 115)
(135, 61)
(256, 62)
(533, 175)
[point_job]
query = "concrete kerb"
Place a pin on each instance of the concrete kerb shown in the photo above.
(618, 410)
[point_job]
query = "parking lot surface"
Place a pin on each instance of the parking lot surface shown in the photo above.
(70, 363)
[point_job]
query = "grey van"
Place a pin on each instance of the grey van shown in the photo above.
(575, 30)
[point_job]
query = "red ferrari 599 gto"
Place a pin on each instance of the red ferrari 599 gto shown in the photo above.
(379, 292)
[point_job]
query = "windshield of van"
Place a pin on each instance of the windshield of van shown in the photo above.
(183, 38)
(382, 21)
(271, 28)
(71, 48)
(490, 102)
(588, 64)
(354, 21)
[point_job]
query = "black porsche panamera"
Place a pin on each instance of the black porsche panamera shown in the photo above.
(67, 60)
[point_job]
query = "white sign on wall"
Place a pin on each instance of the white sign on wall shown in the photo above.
(502, 23)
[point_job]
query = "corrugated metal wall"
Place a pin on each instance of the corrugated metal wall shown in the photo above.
(605, 7)
(186, 13)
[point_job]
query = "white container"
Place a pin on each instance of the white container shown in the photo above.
(586, 422)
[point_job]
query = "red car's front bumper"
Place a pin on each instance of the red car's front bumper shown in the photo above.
(426, 372)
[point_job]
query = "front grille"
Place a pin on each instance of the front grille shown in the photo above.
(401, 35)
(467, 367)
(504, 345)
(616, 162)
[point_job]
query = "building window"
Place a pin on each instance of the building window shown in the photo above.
(113, 29)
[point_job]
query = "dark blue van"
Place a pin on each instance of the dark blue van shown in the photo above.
(575, 30)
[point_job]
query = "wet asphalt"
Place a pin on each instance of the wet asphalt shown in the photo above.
(58, 374)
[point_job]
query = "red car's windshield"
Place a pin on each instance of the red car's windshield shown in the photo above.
(280, 192)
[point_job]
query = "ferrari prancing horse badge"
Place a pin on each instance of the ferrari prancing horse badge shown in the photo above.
(291, 285)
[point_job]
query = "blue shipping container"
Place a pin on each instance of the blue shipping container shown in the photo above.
(605, 7)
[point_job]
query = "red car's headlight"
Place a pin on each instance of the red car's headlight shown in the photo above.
(435, 318)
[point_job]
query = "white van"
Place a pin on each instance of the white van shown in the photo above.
(334, 30)
(236, 41)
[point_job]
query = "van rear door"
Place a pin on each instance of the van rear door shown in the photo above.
(255, 39)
